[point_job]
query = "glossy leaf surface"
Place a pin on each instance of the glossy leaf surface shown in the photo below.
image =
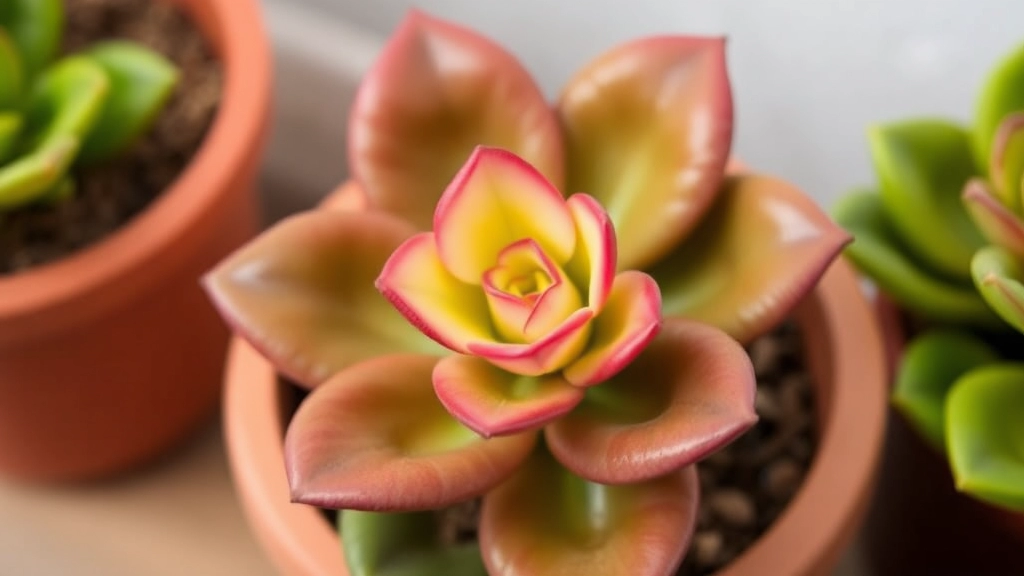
(688, 393)
(141, 82)
(996, 222)
(547, 522)
(756, 253)
(492, 401)
(648, 128)
(878, 252)
(31, 176)
(66, 100)
(438, 91)
(376, 438)
(403, 544)
(303, 293)
(999, 276)
(922, 166)
(1006, 167)
(36, 27)
(986, 434)
(931, 364)
(999, 96)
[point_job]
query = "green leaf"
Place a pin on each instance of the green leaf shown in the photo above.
(30, 177)
(999, 96)
(931, 365)
(66, 100)
(1006, 164)
(36, 27)
(922, 166)
(878, 252)
(11, 124)
(998, 274)
(141, 82)
(12, 76)
(545, 521)
(403, 544)
(985, 434)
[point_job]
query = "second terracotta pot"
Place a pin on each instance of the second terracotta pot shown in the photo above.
(846, 358)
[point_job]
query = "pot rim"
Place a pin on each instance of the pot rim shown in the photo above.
(807, 538)
(107, 270)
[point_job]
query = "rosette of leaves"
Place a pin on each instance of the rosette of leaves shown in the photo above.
(943, 236)
(474, 333)
(56, 112)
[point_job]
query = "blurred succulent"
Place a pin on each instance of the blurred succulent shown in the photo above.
(944, 238)
(80, 108)
(557, 381)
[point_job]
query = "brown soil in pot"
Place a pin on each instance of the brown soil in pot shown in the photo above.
(111, 194)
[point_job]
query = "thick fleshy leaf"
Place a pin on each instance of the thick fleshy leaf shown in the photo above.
(30, 177)
(999, 96)
(922, 167)
(986, 434)
(36, 27)
(495, 200)
(878, 252)
(757, 252)
(11, 124)
(996, 222)
(444, 308)
(302, 293)
(999, 275)
(528, 294)
(627, 324)
(12, 73)
(648, 127)
(593, 262)
(1006, 166)
(141, 82)
(376, 438)
(931, 364)
(547, 522)
(66, 100)
(689, 392)
(552, 352)
(403, 544)
(494, 402)
(437, 91)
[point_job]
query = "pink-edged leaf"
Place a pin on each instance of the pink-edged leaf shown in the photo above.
(996, 222)
(760, 249)
(999, 276)
(494, 402)
(689, 392)
(497, 199)
(627, 324)
(552, 352)
(545, 521)
(444, 308)
(648, 127)
(375, 437)
(528, 294)
(593, 263)
(302, 293)
(437, 91)
(1006, 166)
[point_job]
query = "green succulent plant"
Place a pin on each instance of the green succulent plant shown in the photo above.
(56, 112)
(943, 236)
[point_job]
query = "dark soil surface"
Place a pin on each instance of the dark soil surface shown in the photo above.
(109, 195)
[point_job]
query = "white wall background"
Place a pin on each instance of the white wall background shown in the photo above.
(808, 75)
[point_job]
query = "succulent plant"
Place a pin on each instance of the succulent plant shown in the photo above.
(944, 237)
(56, 112)
(472, 333)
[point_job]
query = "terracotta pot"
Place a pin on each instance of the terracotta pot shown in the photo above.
(918, 522)
(112, 355)
(845, 355)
